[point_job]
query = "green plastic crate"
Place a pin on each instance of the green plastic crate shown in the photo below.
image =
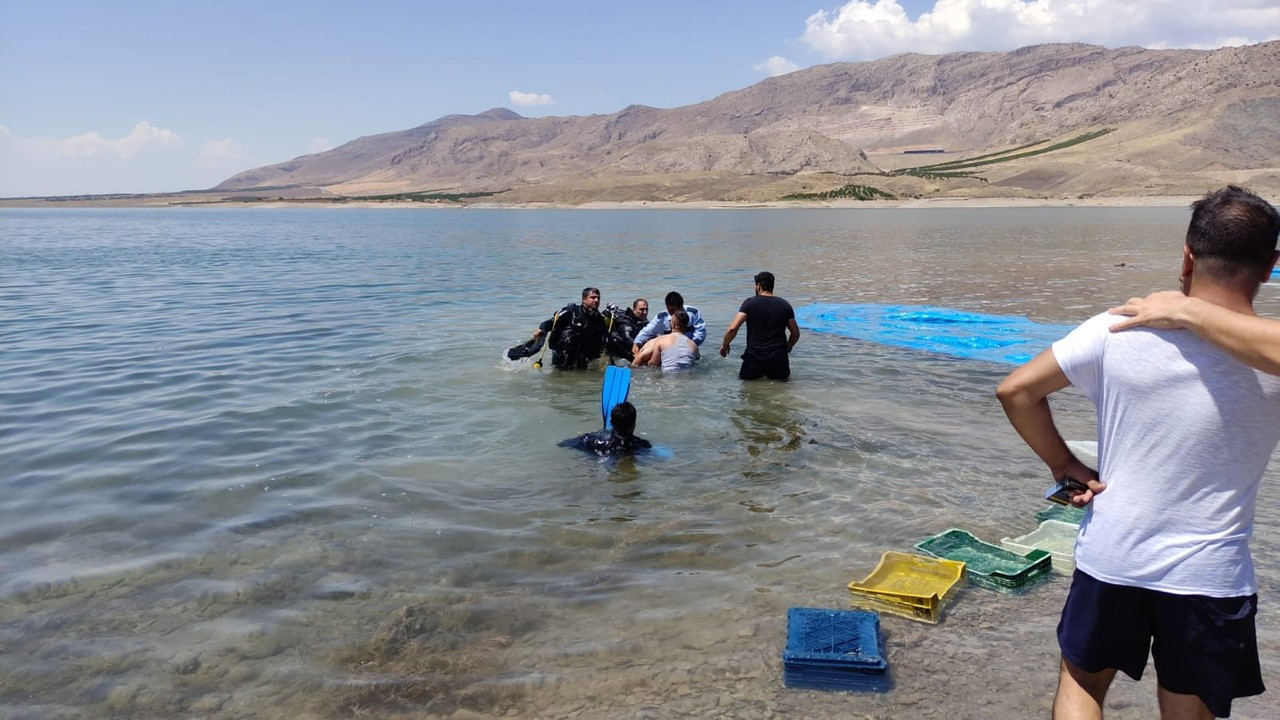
(988, 565)
(1063, 513)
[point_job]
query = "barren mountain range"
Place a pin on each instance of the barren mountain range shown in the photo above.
(1051, 121)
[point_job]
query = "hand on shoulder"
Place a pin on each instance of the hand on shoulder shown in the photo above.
(1166, 310)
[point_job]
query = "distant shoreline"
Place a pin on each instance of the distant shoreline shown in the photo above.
(916, 203)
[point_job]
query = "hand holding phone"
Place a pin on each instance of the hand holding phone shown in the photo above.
(1062, 491)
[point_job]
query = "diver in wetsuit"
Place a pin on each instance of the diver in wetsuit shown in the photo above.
(576, 333)
(623, 326)
(620, 440)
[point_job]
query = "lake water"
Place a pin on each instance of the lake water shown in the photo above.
(273, 463)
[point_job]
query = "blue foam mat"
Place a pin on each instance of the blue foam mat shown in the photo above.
(1010, 339)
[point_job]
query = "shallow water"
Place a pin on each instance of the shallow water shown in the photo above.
(272, 463)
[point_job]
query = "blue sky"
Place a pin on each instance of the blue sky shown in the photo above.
(162, 96)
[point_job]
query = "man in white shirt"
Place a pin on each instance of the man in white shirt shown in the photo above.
(1184, 434)
(661, 325)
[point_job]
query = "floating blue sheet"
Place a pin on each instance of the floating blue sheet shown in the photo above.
(996, 338)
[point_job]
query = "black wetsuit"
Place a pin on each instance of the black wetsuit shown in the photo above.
(607, 442)
(622, 333)
(576, 337)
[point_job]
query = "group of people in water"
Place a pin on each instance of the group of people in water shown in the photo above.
(580, 333)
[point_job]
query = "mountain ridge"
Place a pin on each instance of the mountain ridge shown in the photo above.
(1183, 120)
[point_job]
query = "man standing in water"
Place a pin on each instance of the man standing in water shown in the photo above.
(576, 332)
(661, 325)
(771, 333)
(673, 351)
(1185, 431)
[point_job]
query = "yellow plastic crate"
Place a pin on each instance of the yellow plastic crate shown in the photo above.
(912, 586)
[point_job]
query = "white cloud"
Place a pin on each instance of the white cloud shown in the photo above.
(524, 98)
(319, 145)
(142, 138)
(219, 150)
(863, 30)
(776, 65)
(147, 159)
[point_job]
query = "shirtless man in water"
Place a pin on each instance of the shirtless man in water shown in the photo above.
(673, 351)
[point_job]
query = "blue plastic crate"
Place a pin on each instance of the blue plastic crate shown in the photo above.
(843, 639)
(840, 680)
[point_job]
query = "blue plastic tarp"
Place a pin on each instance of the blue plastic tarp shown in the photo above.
(978, 336)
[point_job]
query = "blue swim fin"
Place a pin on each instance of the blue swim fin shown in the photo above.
(617, 384)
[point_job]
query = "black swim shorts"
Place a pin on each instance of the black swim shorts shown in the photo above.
(774, 367)
(1203, 646)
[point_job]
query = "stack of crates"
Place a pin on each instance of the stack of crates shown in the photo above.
(912, 586)
(834, 650)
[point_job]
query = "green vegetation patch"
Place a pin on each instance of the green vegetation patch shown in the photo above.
(857, 192)
(430, 196)
(944, 169)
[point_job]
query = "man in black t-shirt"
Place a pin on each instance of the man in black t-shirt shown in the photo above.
(771, 333)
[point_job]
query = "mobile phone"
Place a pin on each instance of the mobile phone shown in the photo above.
(1060, 492)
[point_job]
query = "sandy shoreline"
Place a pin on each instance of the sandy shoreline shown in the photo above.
(913, 204)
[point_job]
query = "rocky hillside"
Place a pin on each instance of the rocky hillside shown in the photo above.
(1181, 120)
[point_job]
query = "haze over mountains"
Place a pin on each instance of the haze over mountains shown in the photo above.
(1181, 121)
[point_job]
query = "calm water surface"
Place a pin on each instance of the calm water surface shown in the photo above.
(272, 463)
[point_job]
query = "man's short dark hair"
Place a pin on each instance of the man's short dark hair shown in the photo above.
(674, 299)
(588, 291)
(637, 302)
(623, 418)
(680, 318)
(1234, 231)
(765, 280)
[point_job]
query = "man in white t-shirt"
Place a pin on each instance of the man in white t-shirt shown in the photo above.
(1184, 435)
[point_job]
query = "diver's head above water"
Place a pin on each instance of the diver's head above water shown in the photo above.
(623, 419)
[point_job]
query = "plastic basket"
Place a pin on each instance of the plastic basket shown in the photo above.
(1055, 536)
(834, 650)
(908, 585)
(846, 680)
(988, 565)
(844, 638)
(1063, 513)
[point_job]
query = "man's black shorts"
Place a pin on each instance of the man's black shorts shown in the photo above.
(774, 366)
(1203, 646)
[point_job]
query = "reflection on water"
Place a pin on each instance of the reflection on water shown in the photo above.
(273, 463)
(764, 420)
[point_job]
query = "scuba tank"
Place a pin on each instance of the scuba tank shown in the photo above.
(621, 331)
